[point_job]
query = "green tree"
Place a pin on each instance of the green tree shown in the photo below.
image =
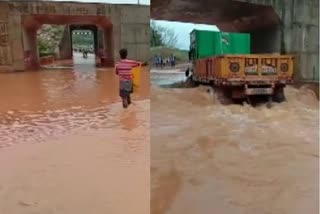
(83, 39)
(156, 37)
(48, 38)
(161, 36)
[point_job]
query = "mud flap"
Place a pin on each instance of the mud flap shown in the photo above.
(278, 95)
(249, 100)
(269, 103)
(222, 96)
(187, 72)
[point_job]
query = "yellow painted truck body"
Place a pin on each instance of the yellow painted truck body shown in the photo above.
(245, 75)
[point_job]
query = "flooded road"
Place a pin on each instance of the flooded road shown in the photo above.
(166, 77)
(208, 158)
(66, 144)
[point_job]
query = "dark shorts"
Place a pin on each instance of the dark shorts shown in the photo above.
(126, 88)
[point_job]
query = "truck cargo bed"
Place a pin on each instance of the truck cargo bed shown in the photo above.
(237, 69)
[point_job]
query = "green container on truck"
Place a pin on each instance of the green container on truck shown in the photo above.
(211, 43)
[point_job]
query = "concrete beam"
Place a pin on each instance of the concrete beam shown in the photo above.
(227, 15)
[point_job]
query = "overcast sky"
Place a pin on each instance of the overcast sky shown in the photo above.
(182, 30)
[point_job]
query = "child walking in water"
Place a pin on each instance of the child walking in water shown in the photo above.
(124, 70)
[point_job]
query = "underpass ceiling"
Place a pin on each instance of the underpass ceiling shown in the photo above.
(228, 15)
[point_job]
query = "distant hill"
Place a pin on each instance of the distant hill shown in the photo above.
(181, 55)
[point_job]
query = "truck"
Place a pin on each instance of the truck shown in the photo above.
(223, 60)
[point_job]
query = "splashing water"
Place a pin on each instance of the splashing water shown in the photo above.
(209, 158)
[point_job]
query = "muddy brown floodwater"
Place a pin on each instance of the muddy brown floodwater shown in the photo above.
(67, 146)
(208, 158)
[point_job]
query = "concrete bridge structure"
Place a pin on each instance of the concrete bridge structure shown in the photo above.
(117, 26)
(276, 26)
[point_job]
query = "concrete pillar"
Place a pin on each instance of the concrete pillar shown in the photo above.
(100, 38)
(31, 46)
(16, 41)
(95, 39)
(117, 42)
(108, 46)
(5, 46)
(300, 35)
(65, 46)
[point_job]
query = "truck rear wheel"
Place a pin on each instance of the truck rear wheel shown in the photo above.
(278, 95)
(269, 102)
(190, 82)
(222, 96)
(248, 99)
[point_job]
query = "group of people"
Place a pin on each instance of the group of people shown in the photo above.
(160, 61)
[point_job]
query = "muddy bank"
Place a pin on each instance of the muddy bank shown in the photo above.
(208, 158)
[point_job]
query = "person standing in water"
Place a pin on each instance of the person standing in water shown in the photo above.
(124, 71)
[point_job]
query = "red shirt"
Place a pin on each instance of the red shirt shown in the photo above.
(124, 68)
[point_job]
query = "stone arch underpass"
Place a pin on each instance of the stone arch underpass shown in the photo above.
(115, 26)
(31, 23)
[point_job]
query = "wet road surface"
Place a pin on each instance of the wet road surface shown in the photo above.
(208, 158)
(66, 144)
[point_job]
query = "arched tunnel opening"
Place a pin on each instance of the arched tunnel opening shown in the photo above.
(99, 27)
(84, 37)
(261, 21)
(84, 44)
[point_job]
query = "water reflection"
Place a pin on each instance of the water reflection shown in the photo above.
(53, 101)
(64, 128)
(129, 121)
